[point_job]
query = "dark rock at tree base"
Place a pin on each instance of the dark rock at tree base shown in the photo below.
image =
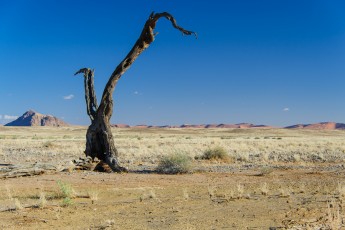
(32, 118)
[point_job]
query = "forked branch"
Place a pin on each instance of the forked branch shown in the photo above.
(90, 95)
(146, 38)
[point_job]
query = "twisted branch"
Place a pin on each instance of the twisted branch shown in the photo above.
(146, 38)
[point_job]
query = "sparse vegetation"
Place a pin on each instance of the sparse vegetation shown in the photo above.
(284, 192)
(48, 144)
(265, 170)
(216, 153)
(233, 182)
(185, 194)
(240, 190)
(93, 195)
(334, 218)
(296, 146)
(148, 195)
(66, 192)
(175, 163)
(67, 201)
(264, 189)
(65, 189)
(42, 200)
(17, 204)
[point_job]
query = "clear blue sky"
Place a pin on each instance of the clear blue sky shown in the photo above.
(264, 62)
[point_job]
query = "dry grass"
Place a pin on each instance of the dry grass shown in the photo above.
(93, 195)
(259, 146)
(42, 200)
(174, 164)
(216, 154)
(264, 189)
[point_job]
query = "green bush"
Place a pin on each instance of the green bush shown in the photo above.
(216, 153)
(174, 164)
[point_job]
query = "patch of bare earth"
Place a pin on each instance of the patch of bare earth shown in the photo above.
(281, 199)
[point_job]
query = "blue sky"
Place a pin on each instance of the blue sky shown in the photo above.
(265, 62)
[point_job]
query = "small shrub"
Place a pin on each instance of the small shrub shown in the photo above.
(265, 170)
(174, 164)
(211, 191)
(66, 190)
(17, 204)
(240, 190)
(93, 195)
(185, 194)
(67, 201)
(284, 192)
(264, 189)
(217, 153)
(148, 195)
(42, 200)
(48, 144)
(341, 189)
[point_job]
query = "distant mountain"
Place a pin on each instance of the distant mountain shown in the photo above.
(240, 126)
(316, 126)
(120, 126)
(192, 126)
(195, 126)
(319, 126)
(32, 118)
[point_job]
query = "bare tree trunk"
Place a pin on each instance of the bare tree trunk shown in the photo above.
(99, 138)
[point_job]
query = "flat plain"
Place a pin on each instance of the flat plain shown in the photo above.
(271, 178)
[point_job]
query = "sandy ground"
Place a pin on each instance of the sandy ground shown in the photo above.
(293, 200)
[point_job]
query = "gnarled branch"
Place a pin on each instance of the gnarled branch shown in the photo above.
(90, 95)
(146, 38)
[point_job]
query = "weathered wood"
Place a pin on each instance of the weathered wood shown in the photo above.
(27, 170)
(13, 171)
(99, 138)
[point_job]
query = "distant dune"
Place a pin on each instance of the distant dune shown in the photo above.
(316, 126)
(319, 126)
(120, 126)
(196, 126)
(32, 118)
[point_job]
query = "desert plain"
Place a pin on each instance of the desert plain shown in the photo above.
(270, 179)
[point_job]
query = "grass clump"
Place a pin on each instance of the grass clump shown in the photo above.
(67, 201)
(174, 164)
(42, 200)
(48, 144)
(66, 189)
(216, 153)
(66, 192)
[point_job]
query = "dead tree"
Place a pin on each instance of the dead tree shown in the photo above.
(99, 138)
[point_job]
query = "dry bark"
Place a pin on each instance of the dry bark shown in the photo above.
(99, 138)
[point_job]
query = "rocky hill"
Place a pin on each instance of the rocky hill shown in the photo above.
(32, 118)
